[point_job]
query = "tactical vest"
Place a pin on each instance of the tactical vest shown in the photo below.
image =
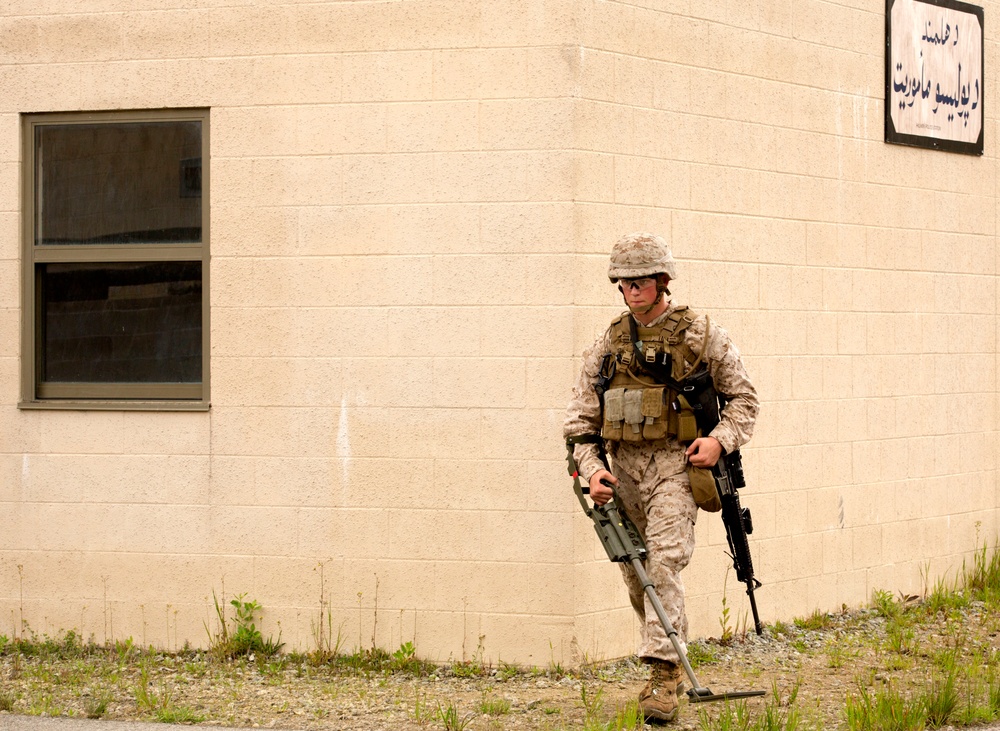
(639, 405)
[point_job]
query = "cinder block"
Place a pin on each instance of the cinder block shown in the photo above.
(277, 382)
(66, 38)
(433, 126)
(536, 332)
(445, 433)
(411, 533)
(252, 531)
(347, 128)
(354, 229)
(444, 331)
(385, 383)
(254, 131)
(549, 175)
(545, 643)
(277, 432)
(390, 76)
(525, 124)
(524, 23)
(170, 34)
(401, 178)
(609, 26)
(725, 190)
(604, 127)
(81, 432)
(528, 432)
(251, 30)
(166, 433)
(340, 27)
(480, 73)
(265, 231)
(297, 181)
(285, 79)
(468, 382)
(542, 536)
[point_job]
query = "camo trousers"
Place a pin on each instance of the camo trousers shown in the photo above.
(664, 512)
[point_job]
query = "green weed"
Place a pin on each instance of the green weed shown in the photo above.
(593, 703)
(450, 718)
(940, 701)
(7, 700)
(885, 604)
(900, 639)
(97, 705)
(490, 706)
(886, 710)
(627, 718)
(702, 653)
(244, 639)
(816, 621)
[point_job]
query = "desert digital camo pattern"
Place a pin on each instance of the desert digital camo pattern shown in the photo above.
(641, 255)
(665, 513)
(653, 486)
(583, 415)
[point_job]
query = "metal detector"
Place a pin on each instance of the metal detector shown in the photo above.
(623, 544)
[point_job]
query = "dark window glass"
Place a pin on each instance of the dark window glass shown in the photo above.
(122, 322)
(118, 183)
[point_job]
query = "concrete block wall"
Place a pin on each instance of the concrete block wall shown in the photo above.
(411, 208)
(858, 279)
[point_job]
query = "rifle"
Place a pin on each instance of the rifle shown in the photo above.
(623, 544)
(707, 404)
(728, 473)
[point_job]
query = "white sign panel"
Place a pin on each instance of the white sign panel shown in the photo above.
(934, 74)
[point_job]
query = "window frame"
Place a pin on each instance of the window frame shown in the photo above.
(153, 396)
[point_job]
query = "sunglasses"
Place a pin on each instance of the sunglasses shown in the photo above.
(637, 284)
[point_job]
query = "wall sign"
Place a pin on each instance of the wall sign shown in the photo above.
(934, 75)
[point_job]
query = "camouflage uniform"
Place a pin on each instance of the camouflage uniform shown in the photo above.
(653, 487)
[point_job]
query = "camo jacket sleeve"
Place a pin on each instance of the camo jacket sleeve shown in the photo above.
(731, 380)
(583, 414)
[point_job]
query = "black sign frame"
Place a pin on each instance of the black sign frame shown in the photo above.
(928, 141)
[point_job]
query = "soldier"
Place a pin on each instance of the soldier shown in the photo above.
(647, 430)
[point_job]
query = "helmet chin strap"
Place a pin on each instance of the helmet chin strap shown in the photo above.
(661, 291)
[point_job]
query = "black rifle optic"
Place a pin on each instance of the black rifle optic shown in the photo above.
(623, 543)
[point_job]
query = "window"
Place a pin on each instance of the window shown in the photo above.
(115, 295)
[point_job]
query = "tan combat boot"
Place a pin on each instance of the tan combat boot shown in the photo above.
(658, 700)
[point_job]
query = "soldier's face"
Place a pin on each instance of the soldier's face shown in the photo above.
(638, 293)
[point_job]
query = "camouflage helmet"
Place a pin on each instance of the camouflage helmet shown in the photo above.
(641, 255)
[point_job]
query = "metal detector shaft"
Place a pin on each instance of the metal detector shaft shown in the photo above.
(697, 693)
(623, 543)
(661, 613)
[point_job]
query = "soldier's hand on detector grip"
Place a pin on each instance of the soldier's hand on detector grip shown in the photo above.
(600, 493)
(704, 452)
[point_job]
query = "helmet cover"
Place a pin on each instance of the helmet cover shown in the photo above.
(641, 254)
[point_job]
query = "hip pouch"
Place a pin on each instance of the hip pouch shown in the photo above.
(703, 489)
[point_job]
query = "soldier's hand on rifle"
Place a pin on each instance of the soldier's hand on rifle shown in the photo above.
(599, 492)
(704, 452)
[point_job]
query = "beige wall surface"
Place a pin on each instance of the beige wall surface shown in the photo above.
(411, 208)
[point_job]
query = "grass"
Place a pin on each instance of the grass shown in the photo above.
(916, 664)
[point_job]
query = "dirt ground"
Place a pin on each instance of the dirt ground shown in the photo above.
(816, 667)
